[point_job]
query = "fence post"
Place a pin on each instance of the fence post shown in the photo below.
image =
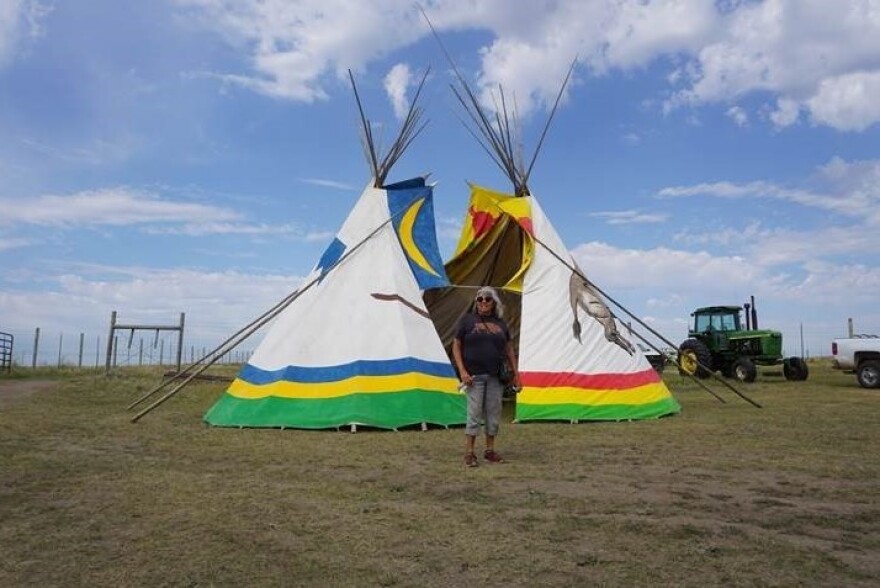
(180, 341)
(110, 340)
(60, 345)
(802, 339)
(82, 340)
(36, 347)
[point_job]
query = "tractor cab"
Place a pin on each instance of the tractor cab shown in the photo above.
(717, 318)
(714, 324)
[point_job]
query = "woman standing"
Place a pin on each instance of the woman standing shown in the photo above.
(482, 343)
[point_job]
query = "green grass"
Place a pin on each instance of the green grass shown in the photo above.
(723, 494)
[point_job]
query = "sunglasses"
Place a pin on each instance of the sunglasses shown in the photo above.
(485, 299)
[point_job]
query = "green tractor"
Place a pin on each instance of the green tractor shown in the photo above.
(717, 341)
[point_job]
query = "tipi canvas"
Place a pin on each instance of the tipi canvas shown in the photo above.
(358, 346)
(574, 362)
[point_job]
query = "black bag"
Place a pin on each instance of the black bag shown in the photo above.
(505, 373)
(506, 377)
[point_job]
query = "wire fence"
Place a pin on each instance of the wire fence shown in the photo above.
(40, 348)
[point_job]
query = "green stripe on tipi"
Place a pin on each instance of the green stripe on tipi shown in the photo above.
(390, 410)
(604, 412)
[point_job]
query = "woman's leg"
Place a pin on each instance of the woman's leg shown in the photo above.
(475, 398)
(492, 402)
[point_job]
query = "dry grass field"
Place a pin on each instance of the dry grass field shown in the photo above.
(724, 494)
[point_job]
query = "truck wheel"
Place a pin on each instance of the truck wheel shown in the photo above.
(744, 370)
(869, 374)
(692, 354)
(795, 369)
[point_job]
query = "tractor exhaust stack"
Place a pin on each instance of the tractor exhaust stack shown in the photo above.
(754, 315)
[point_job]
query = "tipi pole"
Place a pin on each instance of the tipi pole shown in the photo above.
(409, 130)
(181, 374)
(547, 126)
(251, 328)
(701, 384)
(640, 321)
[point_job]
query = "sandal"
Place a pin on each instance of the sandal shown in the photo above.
(470, 460)
(493, 456)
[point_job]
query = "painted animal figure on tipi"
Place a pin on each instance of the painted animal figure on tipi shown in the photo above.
(582, 294)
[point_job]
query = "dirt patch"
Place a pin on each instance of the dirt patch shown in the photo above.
(13, 391)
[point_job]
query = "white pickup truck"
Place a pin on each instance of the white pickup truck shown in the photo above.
(859, 354)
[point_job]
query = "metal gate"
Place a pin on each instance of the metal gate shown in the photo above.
(6, 341)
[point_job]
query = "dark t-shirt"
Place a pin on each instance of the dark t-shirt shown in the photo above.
(483, 342)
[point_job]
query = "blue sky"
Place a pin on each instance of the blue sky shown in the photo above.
(198, 155)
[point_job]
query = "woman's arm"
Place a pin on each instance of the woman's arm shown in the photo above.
(511, 359)
(459, 362)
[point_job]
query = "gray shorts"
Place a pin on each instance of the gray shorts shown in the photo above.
(484, 405)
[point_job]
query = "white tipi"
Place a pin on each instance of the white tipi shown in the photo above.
(358, 346)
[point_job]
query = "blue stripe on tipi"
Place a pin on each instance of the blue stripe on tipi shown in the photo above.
(335, 373)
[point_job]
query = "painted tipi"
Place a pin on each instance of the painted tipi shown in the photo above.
(575, 363)
(357, 346)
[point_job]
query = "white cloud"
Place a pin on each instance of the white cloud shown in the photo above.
(329, 184)
(826, 281)
(200, 229)
(786, 114)
(670, 283)
(809, 57)
(781, 246)
(802, 263)
(824, 60)
(448, 229)
(629, 217)
(397, 81)
(848, 189)
(294, 45)
(7, 244)
(216, 303)
(668, 268)
(215, 228)
(848, 102)
(96, 152)
(20, 20)
(116, 206)
(738, 115)
(640, 31)
(631, 139)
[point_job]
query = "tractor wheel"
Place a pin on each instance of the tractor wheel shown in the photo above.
(692, 354)
(744, 370)
(795, 369)
(869, 374)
